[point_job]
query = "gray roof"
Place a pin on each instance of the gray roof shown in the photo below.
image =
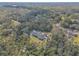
(39, 34)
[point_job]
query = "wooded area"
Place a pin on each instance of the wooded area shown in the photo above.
(39, 30)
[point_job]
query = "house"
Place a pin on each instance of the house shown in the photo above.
(39, 34)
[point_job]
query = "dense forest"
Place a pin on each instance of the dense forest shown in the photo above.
(39, 30)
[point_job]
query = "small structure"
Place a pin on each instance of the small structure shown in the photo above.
(39, 34)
